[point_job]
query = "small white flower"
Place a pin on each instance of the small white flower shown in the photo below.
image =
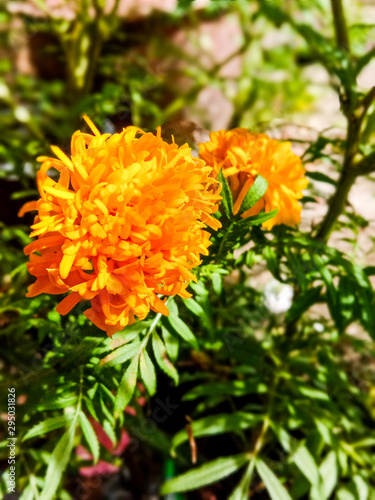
(4, 92)
(318, 327)
(22, 114)
(278, 296)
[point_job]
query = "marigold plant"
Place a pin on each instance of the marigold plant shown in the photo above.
(123, 223)
(242, 155)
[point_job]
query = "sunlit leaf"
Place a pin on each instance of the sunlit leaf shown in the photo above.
(206, 474)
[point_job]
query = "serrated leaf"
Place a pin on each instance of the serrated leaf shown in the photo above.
(92, 391)
(161, 357)
(58, 403)
(57, 463)
(108, 428)
(256, 220)
(126, 388)
(135, 328)
(255, 193)
(49, 425)
(227, 201)
(90, 435)
(122, 354)
(183, 331)
(241, 491)
(147, 372)
(274, 486)
(107, 393)
(106, 411)
(206, 474)
(90, 407)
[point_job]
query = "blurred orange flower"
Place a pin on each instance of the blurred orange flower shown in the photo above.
(123, 223)
(243, 155)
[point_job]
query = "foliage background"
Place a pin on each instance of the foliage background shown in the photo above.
(278, 393)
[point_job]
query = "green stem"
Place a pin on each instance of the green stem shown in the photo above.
(355, 114)
(224, 240)
(260, 440)
(337, 203)
(153, 325)
(267, 420)
(339, 21)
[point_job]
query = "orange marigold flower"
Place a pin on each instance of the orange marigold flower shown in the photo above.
(242, 155)
(123, 223)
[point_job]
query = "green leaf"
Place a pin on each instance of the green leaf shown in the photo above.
(194, 307)
(303, 302)
(90, 407)
(217, 283)
(26, 495)
(332, 296)
(273, 261)
(312, 393)
(147, 372)
(48, 425)
(319, 176)
(171, 343)
(92, 391)
(236, 388)
(325, 430)
(162, 358)
(172, 307)
(127, 386)
(58, 462)
(346, 298)
(206, 474)
(227, 201)
(217, 424)
(122, 354)
(274, 487)
(345, 494)
(255, 193)
(365, 294)
(90, 435)
(135, 328)
(60, 402)
(108, 428)
(241, 491)
(361, 487)
(183, 330)
(282, 435)
(185, 4)
(329, 474)
(306, 464)
(256, 220)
